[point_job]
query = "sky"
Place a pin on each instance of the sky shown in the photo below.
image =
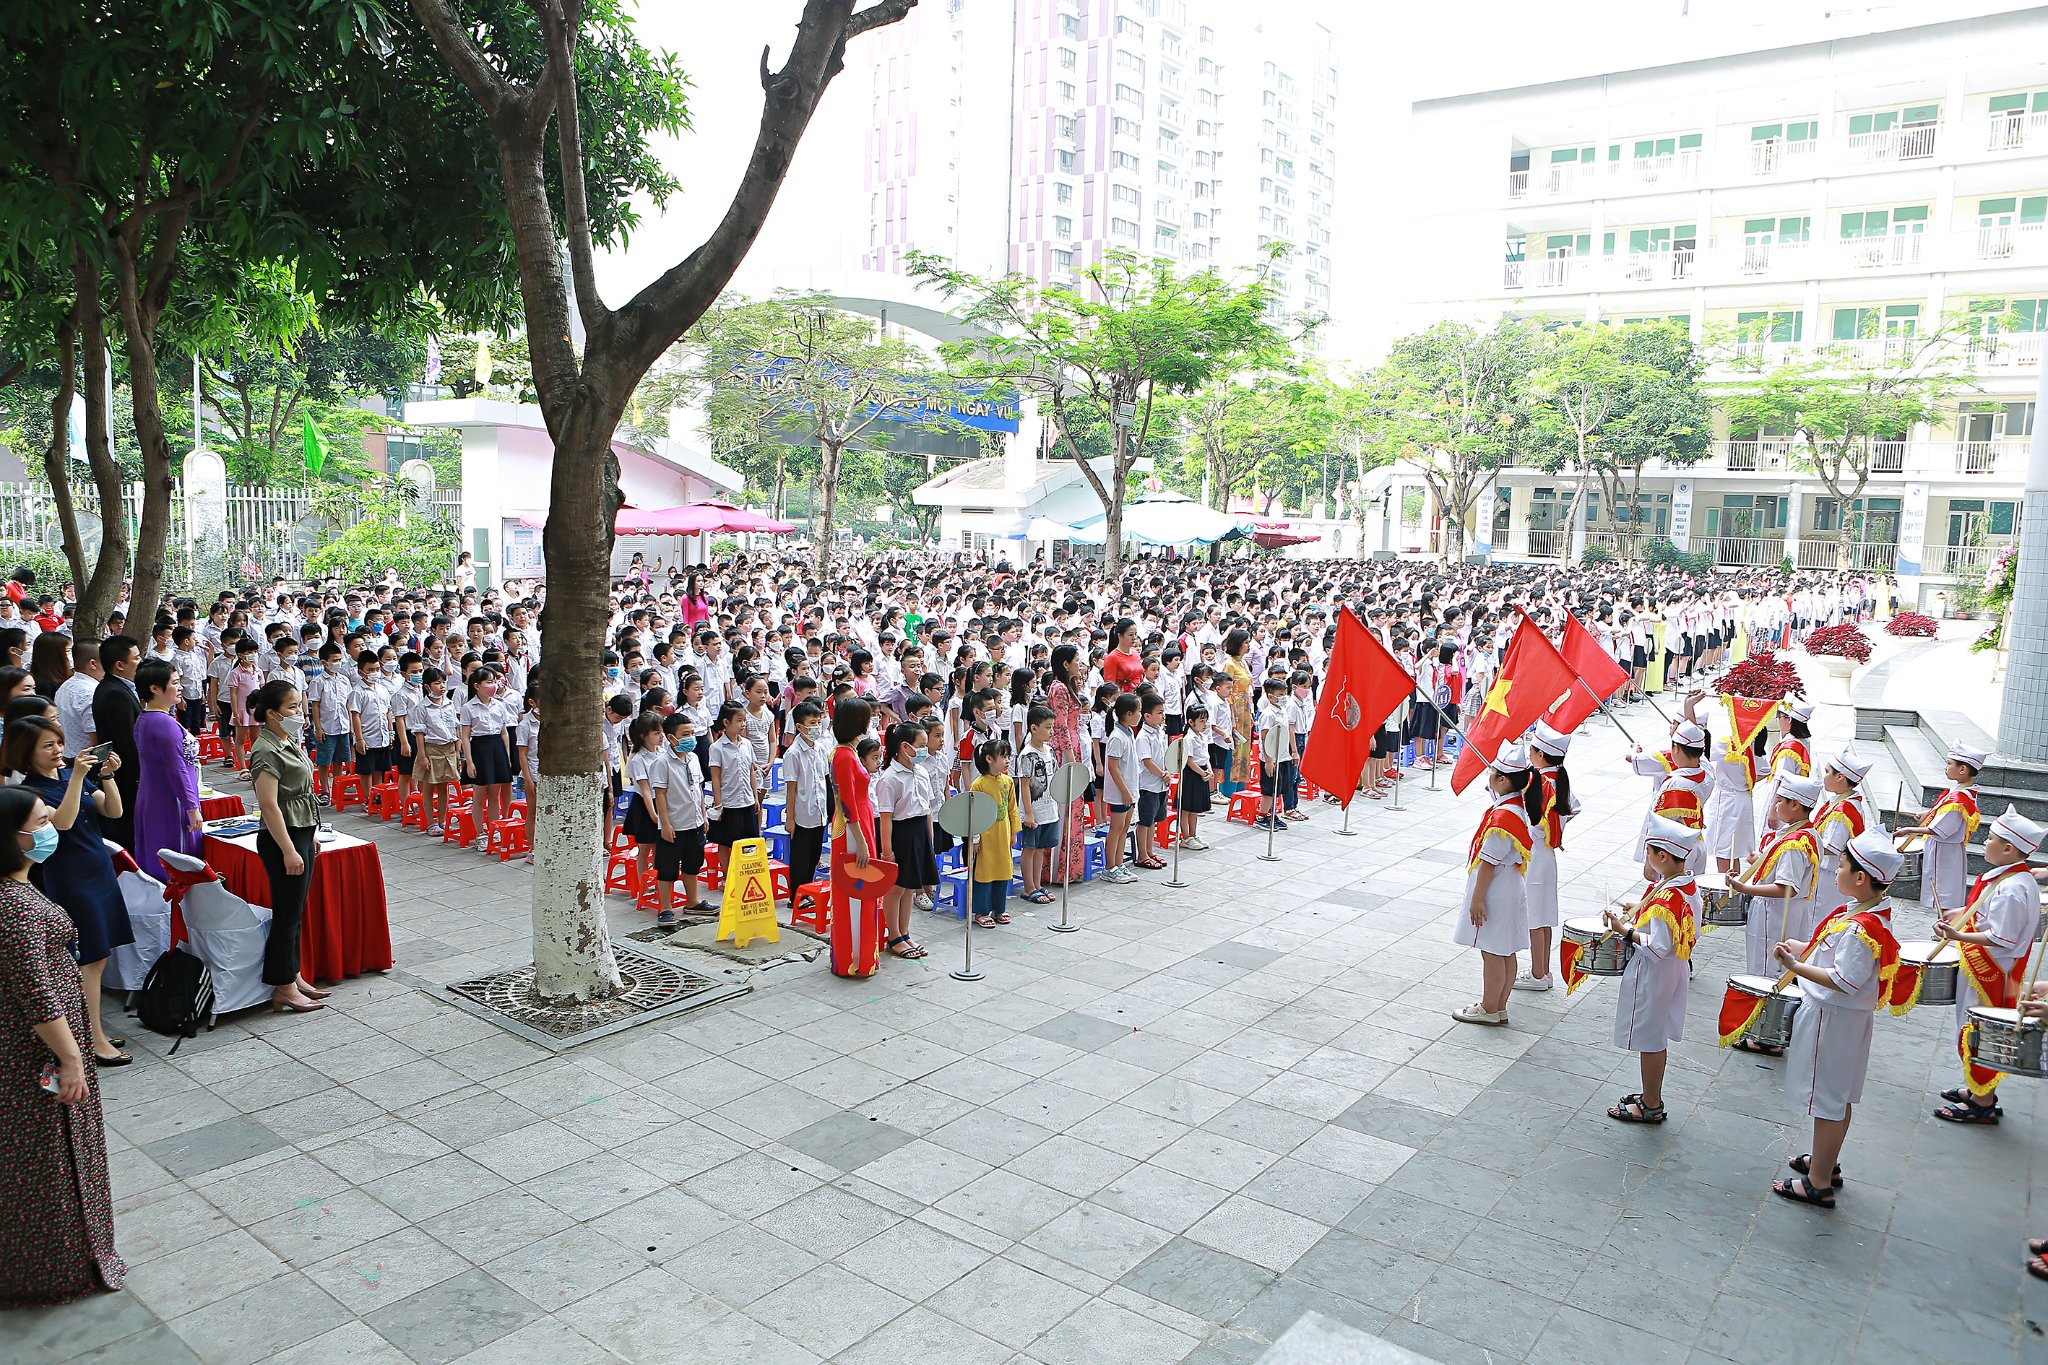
(1392, 52)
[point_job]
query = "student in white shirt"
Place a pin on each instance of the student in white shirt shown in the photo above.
(806, 774)
(735, 797)
(485, 755)
(679, 849)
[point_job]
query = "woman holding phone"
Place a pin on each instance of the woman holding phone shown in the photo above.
(79, 876)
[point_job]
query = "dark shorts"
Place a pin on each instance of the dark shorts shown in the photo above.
(731, 826)
(1044, 834)
(1115, 809)
(682, 857)
(333, 751)
(1176, 726)
(1151, 807)
(374, 762)
(402, 759)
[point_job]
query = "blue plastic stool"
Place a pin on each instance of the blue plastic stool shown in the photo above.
(1407, 755)
(778, 845)
(775, 775)
(1094, 856)
(952, 860)
(772, 811)
(952, 896)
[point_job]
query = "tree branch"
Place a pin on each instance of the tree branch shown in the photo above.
(878, 15)
(558, 25)
(446, 30)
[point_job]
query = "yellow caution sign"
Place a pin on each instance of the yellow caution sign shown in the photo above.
(748, 910)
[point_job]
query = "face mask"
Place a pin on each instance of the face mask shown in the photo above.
(412, 680)
(812, 731)
(42, 843)
(687, 746)
(294, 724)
(487, 690)
(611, 673)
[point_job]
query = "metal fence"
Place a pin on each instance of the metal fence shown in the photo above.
(271, 532)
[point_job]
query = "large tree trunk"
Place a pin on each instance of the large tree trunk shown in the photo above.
(139, 314)
(572, 946)
(55, 468)
(828, 503)
(97, 596)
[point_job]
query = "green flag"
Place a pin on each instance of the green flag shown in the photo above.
(316, 447)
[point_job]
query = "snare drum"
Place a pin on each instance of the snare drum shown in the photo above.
(1772, 1026)
(1721, 904)
(1602, 952)
(1940, 967)
(2002, 1041)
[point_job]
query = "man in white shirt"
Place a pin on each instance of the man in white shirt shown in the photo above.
(74, 697)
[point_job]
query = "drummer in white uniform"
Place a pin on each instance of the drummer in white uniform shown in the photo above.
(1780, 882)
(1995, 932)
(1843, 976)
(1493, 914)
(1840, 817)
(1649, 1012)
(1547, 748)
(1731, 778)
(1949, 826)
(1678, 790)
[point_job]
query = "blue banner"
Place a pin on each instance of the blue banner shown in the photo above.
(983, 407)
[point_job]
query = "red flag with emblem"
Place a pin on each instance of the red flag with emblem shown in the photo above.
(1365, 684)
(1599, 676)
(1533, 684)
(1746, 719)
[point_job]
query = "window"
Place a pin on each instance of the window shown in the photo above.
(1062, 260)
(1123, 227)
(1130, 94)
(1123, 194)
(1782, 324)
(1065, 159)
(1123, 161)
(1285, 166)
(1062, 226)
(1805, 131)
(1063, 125)
(1127, 60)
(1892, 319)
(1784, 231)
(1070, 26)
(1125, 127)
(1065, 91)
(1205, 67)
(2036, 101)
(1069, 59)
(1911, 218)
(1205, 35)
(1062, 193)
(1652, 148)
(1129, 26)
(1888, 120)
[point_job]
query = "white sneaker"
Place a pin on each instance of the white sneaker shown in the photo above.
(1525, 982)
(923, 902)
(1473, 1014)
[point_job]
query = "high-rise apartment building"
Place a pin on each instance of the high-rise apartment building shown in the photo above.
(1036, 135)
(1819, 202)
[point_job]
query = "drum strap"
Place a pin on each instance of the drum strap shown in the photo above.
(1996, 986)
(1797, 839)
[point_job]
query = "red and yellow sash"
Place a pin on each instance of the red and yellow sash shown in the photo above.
(1845, 809)
(1797, 839)
(1553, 818)
(1796, 748)
(1680, 801)
(1995, 986)
(1961, 800)
(1740, 1009)
(1505, 817)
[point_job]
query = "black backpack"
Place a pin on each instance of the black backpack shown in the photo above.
(176, 997)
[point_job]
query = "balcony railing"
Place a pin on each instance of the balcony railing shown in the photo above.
(1749, 552)
(2015, 131)
(1993, 353)
(1552, 272)
(1518, 184)
(1547, 544)
(1778, 157)
(2004, 244)
(2005, 351)
(1957, 561)
(1987, 457)
(1915, 143)
(1749, 457)
(1770, 454)
(1656, 267)
(1878, 253)
(1865, 556)
(1769, 258)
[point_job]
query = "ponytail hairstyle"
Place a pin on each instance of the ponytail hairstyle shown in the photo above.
(1554, 766)
(901, 733)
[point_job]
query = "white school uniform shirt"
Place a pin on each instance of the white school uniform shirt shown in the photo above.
(937, 770)
(1172, 692)
(484, 718)
(1151, 743)
(1301, 714)
(1507, 922)
(899, 792)
(685, 788)
(1829, 1055)
(373, 708)
(734, 760)
(528, 737)
(74, 711)
(652, 767)
(332, 691)
(2009, 909)
(808, 768)
(1219, 719)
(190, 666)
(1120, 757)
(1649, 1010)
(436, 721)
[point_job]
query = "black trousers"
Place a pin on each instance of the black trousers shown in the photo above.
(806, 846)
(287, 902)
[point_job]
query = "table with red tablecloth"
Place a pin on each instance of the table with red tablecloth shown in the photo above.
(347, 929)
(221, 806)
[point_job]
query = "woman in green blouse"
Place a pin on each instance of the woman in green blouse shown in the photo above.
(284, 796)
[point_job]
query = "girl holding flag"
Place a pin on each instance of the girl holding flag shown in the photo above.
(1493, 916)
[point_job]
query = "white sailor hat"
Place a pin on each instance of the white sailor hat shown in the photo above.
(1850, 765)
(1690, 735)
(1962, 752)
(1872, 851)
(1680, 841)
(1553, 742)
(1805, 790)
(1511, 759)
(2019, 831)
(1801, 711)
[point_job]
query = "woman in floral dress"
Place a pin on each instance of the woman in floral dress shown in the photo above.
(1064, 699)
(56, 1207)
(1239, 695)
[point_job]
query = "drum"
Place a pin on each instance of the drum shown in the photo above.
(1602, 952)
(2002, 1041)
(1773, 1026)
(1940, 967)
(1721, 904)
(1909, 865)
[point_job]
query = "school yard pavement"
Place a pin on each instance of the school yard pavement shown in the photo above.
(1167, 1137)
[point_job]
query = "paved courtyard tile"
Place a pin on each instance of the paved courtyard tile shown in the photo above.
(1167, 1137)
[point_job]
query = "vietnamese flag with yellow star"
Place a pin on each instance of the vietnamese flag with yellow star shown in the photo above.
(1364, 686)
(1534, 683)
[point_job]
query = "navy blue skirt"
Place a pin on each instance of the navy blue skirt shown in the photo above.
(489, 760)
(917, 867)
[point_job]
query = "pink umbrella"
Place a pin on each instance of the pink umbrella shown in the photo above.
(729, 518)
(689, 520)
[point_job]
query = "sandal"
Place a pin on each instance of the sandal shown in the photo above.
(1800, 1190)
(2038, 1246)
(1040, 897)
(2038, 1268)
(1631, 1109)
(1002, 917)
(1800, 1163)
(1760, 1049)
(898, 948)
(1960, 1095)
(984, 921)
(1969, 1113)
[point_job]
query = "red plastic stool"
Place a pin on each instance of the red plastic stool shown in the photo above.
(810, 906)
(348, 791)
(517, 808)
(461, 827)
(622, 842)
(622, 874)
(211, 746)
(384, 800)
(778, 880)
(1163, 832)
(507, 839)
(1244, 806)
(713, 874)
(415, 813)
